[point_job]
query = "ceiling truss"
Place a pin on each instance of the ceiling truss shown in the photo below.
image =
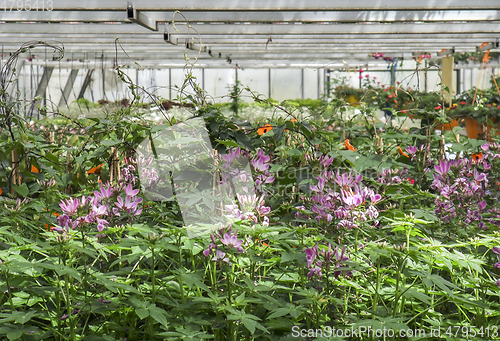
(250, 33)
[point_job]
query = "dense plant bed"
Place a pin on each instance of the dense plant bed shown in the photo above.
(352, 226)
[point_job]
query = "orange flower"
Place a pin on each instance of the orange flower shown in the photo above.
(34, 169)
(348, 145)
(477, 157)
(402, 152)
(264, 129)
(95, 170)
(1, 191)
(293, 120)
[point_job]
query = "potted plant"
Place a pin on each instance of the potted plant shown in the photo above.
(481, 109)
(349, 94)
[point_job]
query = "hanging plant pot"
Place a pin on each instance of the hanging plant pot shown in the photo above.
(448, 126)
(352, 99)
(473, 128)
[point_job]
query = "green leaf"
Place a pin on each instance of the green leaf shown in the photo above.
(109, 143)
(14, 335)
(418, 295)
(249, 324)
(21, 189)
(287, 256)
(279, 312)
(278, 132)
(294, 152)
(52, 157)
(158, 314)
(243, 139)
(66, 179)
(228, 143)
(240, 298)
(142, 313)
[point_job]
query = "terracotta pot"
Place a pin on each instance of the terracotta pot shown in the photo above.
(473, 128)
(448, 126)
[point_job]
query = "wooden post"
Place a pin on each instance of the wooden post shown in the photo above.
(15, 179)
(442, 151)
(114, 170)
(379, 144)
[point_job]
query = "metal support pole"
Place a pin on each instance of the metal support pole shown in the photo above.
(67, 88)
(302, 83)
(103, 77)
(269, 83)
(86, 83)
(203, 78)
(42, 86)
(425, 76)
(319, 83)
(169, 84)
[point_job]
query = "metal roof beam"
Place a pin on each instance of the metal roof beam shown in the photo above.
(276, 5)
(259, 29)
(319, 29)
(150, 19)
(140, 18)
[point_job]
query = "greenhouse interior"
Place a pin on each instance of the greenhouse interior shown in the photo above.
(249, 170)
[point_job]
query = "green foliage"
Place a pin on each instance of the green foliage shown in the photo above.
(406, 269)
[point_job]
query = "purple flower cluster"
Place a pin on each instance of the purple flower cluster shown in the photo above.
(225, 239)
(260, 165)
(149, 175)
(326, 259)
(251, 208)
(16, 205)
(461, 190)
(496, 250)
(414, 151)
(104, 206)
(392, 176)
(342, 197)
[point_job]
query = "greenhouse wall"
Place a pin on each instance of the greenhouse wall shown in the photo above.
(279, 84)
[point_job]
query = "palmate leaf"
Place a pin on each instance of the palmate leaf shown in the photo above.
(158, 314)
(248, 320)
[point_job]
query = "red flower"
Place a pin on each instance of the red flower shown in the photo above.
(438, 107)
(463, 103)
(410, 180)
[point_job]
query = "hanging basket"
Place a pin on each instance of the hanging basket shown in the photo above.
(352, 99)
